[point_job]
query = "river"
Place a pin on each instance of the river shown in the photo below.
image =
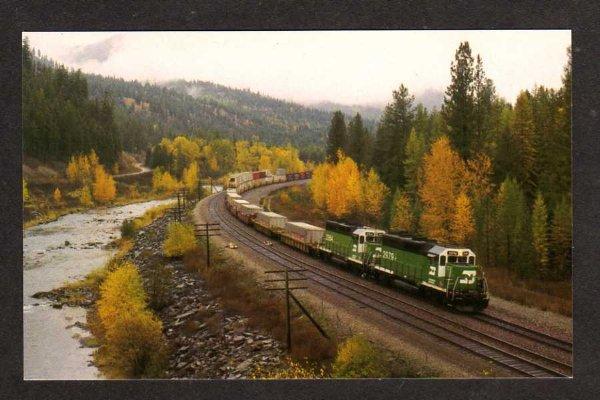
(62, 251)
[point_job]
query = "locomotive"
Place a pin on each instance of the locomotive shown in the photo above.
(448, 273)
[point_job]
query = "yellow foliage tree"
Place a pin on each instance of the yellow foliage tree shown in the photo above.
(133, 345)
(357, 358)
(463, 225)
(344, 190)
(85, 196)
(122, 289)
(163, 182)
(318, 185)
(25, 191)
(180, 239)
(442, 180)
(401, 219)
(190, 177)
(56, 195)
(374, 193)
(104, 188)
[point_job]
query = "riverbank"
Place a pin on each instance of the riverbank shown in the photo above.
(56, 253)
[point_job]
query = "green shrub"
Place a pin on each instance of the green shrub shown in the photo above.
(180, 239)
(357, 358)
(127, 229)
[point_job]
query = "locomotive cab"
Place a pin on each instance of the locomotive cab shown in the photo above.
(455, 270)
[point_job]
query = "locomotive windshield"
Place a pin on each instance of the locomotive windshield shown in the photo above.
(373, 239)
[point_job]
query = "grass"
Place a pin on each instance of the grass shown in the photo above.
(555, 296)
(239, 291)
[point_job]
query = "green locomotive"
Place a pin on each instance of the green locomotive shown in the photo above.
(449, 273)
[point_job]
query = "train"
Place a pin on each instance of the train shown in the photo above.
(446, 272)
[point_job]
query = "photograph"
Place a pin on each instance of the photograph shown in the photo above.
(303, 204)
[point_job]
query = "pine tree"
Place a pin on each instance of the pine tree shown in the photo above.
(391, 137)
(401, 213)
(560, 237)
(539, 233)
(459, 102)
(336, 137)
(524, 133)
(414, 152)
(513, 239)
(462, 226)
(358, 144)
(443, 173)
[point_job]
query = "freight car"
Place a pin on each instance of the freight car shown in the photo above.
(446, 272)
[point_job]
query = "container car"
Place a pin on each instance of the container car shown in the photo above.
(302, 236)
(247, 212)
(270, 223)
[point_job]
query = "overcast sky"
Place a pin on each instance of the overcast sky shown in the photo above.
(351, 67)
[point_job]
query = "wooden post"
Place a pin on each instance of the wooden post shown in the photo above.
(288, 327)
(207, 248)
(178, 207)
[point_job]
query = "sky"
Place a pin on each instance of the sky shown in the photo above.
(348, 67)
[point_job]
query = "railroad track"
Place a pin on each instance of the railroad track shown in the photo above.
(433, 324)
(523, 331)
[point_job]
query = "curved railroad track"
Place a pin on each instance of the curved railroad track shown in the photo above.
(509, 355)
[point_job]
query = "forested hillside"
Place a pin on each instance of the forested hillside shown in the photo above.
(60, 119)
(481, 171)
(207, 109)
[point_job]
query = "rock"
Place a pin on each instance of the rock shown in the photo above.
(238, 338)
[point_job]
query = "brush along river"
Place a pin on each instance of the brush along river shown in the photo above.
(62, 251)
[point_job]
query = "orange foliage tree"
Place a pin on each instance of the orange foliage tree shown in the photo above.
(462, 226)
(374, 193)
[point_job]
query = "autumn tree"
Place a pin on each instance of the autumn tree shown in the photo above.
(442, 179)
(336, 137)
(104, 187)
(163, 182)
(56, 195)
(462, 226)
(539, 233)
(319, 185)
(190, 177)
(401, 217)
(344, 189)
(374, 193)
(85, 196)
(480, 189)
(25, 191)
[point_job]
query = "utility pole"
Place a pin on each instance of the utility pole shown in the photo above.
(207, 230)
(288, 294)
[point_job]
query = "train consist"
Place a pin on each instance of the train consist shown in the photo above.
(446, 272)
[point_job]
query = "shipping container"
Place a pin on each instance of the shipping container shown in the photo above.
(237, 204)
(304, 233)
(271, 220)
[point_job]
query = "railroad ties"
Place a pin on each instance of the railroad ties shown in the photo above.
(508, 355)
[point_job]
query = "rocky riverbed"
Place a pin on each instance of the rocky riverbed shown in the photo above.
(205, 341)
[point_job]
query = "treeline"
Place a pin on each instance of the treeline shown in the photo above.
(481, 171)
(59, 118)
(185, 158)
(208, 110)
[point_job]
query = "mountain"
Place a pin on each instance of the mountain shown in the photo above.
(368, 112)
(199, 107)
(430, 98)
